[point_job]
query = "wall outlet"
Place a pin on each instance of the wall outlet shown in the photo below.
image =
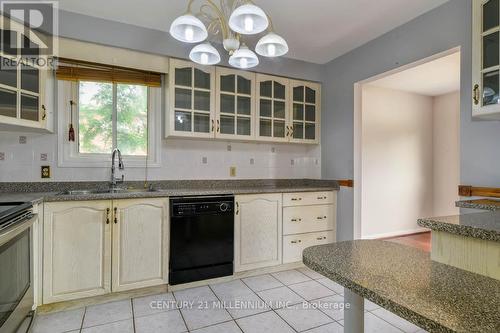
(2, 156)
(273, 150)
(252, 161)
(229, 148)
(43, 157)
(45, 171)
(292, 162)
(232, 171)
(204, 160)
(23, 140)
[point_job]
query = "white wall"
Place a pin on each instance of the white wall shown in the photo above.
(180, 159)
(446, 134)
(397, 160)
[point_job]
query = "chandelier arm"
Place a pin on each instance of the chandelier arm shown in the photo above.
(220, 14)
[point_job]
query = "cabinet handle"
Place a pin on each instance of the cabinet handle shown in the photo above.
(475, 94)
(44, 114)
(296, 241)
(321, 238)
(322, 198)
(237, 208)
(296, 220)
(116, 215)
(296, 199)
(291, 131)
(213, 125)
(107, 215)
(218, 126)
(287, 131)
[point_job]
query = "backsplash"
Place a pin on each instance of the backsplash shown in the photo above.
(180, 159)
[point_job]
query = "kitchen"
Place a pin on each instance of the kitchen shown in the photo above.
(151, 179)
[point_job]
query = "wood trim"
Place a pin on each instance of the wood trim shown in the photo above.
(471, 191)
(346, 182)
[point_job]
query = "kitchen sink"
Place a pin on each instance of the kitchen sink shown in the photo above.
(108, 190)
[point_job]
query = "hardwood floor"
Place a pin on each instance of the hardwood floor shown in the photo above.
(420, 240)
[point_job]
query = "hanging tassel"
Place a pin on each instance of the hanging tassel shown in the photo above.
(71, 132)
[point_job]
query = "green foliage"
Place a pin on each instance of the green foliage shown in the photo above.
(96, 111)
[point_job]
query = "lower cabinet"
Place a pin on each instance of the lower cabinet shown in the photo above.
(258, 231)
(86, 243)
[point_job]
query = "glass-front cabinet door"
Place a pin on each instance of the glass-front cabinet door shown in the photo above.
(191, 99)
(21, 80)
(304, 115)
(235, 103)
(272, 108)
(486, 61)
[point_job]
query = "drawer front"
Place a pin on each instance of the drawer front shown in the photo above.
(293, 245)
(308, 198)
(301, 219)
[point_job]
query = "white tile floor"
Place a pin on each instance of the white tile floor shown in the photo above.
(299, 301)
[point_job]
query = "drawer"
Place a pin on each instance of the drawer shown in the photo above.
(293, 245)
(308, 198)
(302, 219)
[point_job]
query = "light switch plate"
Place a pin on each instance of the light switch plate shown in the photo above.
(232, 171)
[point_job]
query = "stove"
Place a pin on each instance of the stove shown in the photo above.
(12, 213)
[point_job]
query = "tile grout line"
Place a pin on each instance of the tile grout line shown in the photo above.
(83, 318)
(133, 315)
(179, 309)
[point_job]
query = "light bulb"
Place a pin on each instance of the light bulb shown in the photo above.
(204, 58)
(189, 33)
(248, 23)
(271, 50)
(244, 62)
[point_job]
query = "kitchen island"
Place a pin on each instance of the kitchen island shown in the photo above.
(405, 281)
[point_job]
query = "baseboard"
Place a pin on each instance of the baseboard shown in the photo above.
(396, 233)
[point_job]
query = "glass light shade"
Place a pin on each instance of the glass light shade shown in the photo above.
(248, 19)
(243, 58)
(271, 45)
(205, 54)
(189, 29)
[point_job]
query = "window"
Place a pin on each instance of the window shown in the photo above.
(112, 115)
(109, 115)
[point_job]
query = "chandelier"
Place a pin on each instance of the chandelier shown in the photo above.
(232, 19)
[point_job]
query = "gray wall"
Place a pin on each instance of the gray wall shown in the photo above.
(439, 30)
(97, 30)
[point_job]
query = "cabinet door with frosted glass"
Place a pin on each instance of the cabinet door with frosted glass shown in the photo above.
(272, 106)
(191, 100)
(486, 64)
(305, 112)
(235, 103)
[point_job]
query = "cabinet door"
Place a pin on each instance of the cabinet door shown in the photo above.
(258, 231)
(139, 243)
(485, 62)
(191, 100)
(272, 106)
(77, 250)
(304, 112)
(235, 103)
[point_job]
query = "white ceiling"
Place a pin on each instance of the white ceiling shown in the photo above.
(316, 30)
(434, 78)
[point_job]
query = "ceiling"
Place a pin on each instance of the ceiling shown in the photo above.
(316, 30)
(434, 78)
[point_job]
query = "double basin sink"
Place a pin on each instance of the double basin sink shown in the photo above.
(108, 191)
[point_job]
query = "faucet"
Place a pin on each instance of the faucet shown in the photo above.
(115, 180)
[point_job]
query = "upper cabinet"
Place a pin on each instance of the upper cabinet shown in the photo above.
(272, 108)
(191, 100)
(23, 79)
(486, 61)
(235, 104)
(223, 103)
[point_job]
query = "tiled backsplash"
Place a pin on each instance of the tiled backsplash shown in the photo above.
(180, 159)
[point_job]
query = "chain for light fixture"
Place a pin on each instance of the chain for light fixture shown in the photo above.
(231, 19)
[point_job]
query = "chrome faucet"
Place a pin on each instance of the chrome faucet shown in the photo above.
(115, 180)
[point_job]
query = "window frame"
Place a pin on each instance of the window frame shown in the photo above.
(69, 154)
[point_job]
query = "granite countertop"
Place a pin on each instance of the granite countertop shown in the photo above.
(53, 191)
(484, 226)
(486, 204)
(405, 281)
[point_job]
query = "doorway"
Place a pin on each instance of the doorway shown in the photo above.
(406, 139)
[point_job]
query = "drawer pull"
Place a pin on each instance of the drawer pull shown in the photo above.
(107, 215)
(321, 238)
(296, 241)
(322, 198)
(296, 220)
(321, 218)
(296, 199)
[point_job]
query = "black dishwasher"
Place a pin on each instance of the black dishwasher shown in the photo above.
(201, 238)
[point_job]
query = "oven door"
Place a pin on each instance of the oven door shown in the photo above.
(16, 275)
